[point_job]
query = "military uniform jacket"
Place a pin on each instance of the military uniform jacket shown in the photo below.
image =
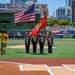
(34, 39)
(41, 39)
(27, 39)
(50, 39)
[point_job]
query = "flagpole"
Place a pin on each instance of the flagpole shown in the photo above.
(34, 12)
(45, 26)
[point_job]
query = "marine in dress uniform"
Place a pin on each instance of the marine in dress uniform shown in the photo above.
(50, 42)
(34, 43)
(27, 42)
(41, 42)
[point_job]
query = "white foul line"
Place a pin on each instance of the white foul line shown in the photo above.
(68, 68)
(73, 70)
(21, 68)
(49, 70)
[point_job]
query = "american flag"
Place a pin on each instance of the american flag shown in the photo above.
(25, 16)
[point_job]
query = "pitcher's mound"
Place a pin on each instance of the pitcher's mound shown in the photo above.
(23, 46)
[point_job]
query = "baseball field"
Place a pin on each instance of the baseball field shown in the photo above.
(60, 62)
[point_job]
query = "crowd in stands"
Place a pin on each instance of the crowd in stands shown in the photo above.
(58, 28)
(16, 36)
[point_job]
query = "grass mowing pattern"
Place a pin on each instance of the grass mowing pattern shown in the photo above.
(61, 50)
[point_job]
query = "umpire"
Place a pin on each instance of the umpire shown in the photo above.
(27, 42)
(50, 42)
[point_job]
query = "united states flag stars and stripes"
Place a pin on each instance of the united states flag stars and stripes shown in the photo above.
(27, 15)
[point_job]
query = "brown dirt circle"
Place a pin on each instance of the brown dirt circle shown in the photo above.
(23, 46)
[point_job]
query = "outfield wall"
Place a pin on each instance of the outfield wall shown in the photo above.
(64, 34)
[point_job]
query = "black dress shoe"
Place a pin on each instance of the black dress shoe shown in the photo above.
(27, 52)
(1, 53)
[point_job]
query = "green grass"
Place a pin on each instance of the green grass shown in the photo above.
(61, 50)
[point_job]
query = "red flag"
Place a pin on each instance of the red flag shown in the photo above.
(41, 24)
(34, 31)
(43, 21)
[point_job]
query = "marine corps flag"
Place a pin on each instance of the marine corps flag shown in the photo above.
(41, 24)
(43, 21)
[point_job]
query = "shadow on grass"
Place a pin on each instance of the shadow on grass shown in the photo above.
(33, 53)
(37, 53)
(20, 52)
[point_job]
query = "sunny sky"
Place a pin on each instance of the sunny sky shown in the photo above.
(52, 4)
